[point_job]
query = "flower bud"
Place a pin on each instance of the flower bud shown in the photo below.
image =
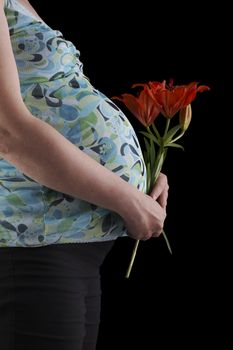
(185, 116)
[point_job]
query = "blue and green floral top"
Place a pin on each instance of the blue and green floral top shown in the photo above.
(56, 91)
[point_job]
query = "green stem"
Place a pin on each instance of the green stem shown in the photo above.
(155, 169)
(132, 258)
(166, 127)
(158, 166)
(167, 242)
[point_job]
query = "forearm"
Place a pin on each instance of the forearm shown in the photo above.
(42, 153)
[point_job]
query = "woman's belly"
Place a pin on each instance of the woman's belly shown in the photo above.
(92, 122)
(37, 215)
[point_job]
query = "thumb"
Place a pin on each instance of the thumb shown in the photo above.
(159, 186)
(156, 191)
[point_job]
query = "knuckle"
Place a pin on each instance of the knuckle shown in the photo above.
(163, 176)
(146, 237)
(148, 234)
(160, 229)
(157, 233)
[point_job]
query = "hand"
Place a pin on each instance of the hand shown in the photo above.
(160, 191)
(146, 214)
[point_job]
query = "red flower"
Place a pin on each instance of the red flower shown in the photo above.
(144, 106)
(173, 98)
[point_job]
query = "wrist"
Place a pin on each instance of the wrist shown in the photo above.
(127, 198)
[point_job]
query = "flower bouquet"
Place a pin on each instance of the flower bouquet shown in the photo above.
(154, 99)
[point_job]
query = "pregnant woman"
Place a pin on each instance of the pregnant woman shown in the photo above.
(72, 180)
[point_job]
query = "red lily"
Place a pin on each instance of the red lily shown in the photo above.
(144, 106)
(173, 98)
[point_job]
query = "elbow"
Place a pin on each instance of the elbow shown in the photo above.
(12, 127)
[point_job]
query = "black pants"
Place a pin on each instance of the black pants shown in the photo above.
(50, 296)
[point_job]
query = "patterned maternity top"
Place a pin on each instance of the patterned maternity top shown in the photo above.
(56, 91)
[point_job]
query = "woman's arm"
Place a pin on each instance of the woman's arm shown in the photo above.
(42, 153)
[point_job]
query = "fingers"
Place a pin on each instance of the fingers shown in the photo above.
(147, 236)
(161, 183)
(162, 199)
(160, 190)
(147, 217)
(154, 234)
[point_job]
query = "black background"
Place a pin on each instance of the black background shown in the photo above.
(179, 300)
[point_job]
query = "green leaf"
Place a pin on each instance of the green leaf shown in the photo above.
(150, 136)
(156, 132)
(147, 147)
(148, 177)
(152, 160)
(175, 145)
(152, 153)
(145, 157)
(168, 137)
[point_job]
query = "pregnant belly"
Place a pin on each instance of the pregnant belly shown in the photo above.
(92, 122)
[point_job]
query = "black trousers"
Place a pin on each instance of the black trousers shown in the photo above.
(50, 296)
